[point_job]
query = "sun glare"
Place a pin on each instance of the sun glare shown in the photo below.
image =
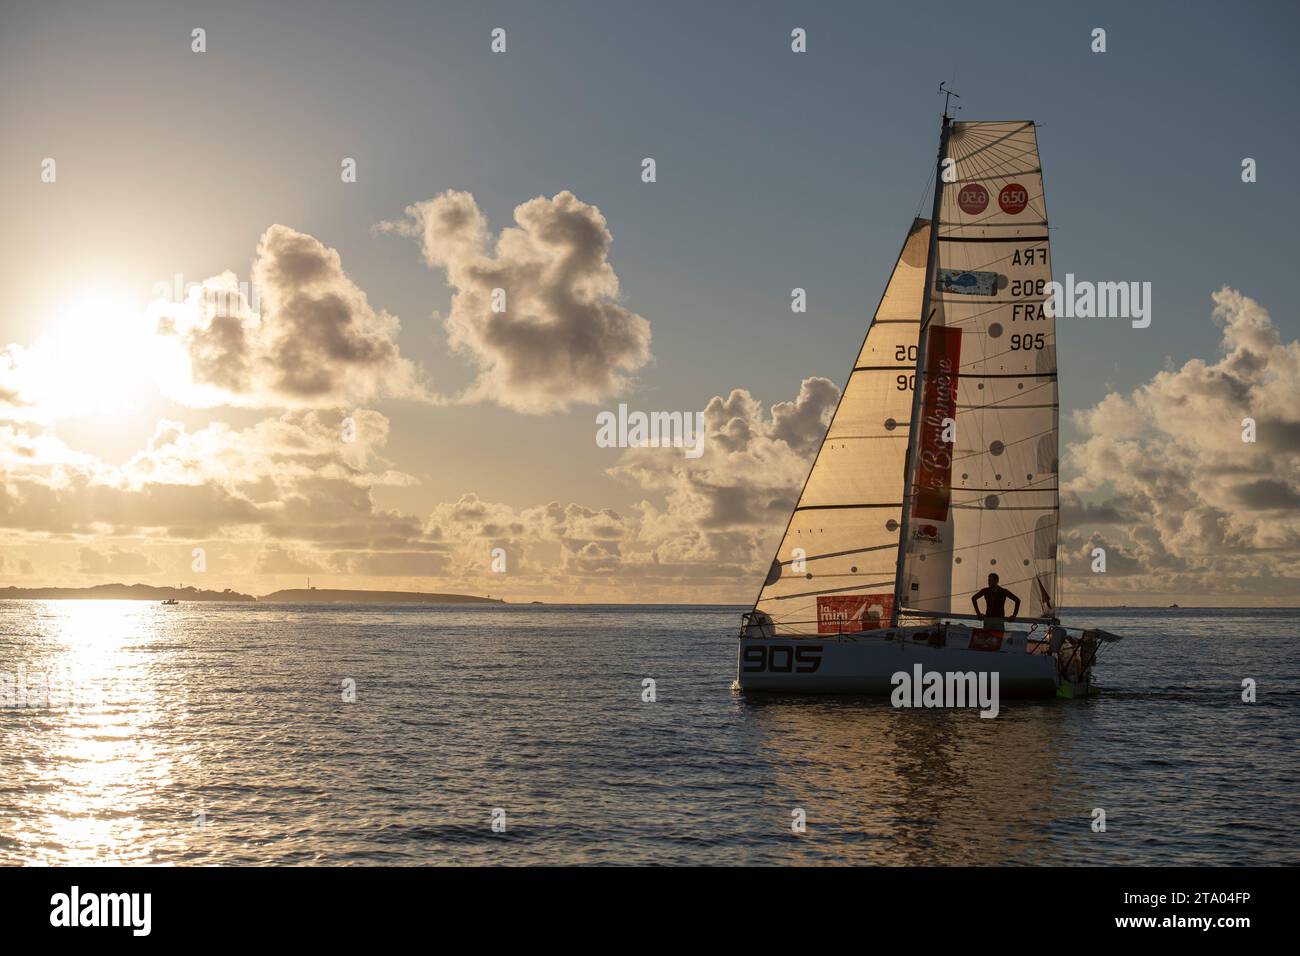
(98, 358)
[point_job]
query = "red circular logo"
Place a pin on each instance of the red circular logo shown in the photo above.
(1013, 198)
(973, 199)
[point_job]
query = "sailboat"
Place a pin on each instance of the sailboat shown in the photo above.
(939, 466)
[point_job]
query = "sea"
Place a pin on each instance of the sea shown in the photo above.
(265, 734)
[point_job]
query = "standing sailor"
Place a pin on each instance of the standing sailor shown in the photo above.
(995, 604)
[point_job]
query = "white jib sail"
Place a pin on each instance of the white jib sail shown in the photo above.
(984, 496)
(835, 569)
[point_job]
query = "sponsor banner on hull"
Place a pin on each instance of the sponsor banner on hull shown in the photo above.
(982, 639)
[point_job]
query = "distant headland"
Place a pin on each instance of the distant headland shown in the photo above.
(146, 592)
(121, 592)
(333, 596)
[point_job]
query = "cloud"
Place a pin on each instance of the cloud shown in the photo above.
(305, 476)
(752, 467)
(116, 561)
(424, 564)
(706, 526)
(562, 338)
(1199, 509)
(313, 340)
(11, 381)
(278, 560)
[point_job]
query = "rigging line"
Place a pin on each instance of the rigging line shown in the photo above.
(1013, 351)
(1029, 488)
(977, 504)
(1002, 405)
(954, 594)
(1006, 154)
(995, 144)
(1006, 375)
(981, 544)
(881, 504)
(841, 554)
(1000, 225)
(1001, 157)
(997, 162)
(976, 498)
(992, 164)
(1002, 402)
(850, 574)
(897, 432)
(1010, 174)
(965, 298)
(855, 587)
(927, 189)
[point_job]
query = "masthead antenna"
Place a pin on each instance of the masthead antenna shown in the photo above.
(947, 95)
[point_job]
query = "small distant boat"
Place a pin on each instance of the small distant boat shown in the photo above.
(170, 601)
(939, 466)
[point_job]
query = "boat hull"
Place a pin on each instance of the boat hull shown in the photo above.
(867, 664)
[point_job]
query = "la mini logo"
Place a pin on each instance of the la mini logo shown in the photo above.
(103, 909)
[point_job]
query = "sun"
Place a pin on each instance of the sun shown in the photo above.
(97, 359)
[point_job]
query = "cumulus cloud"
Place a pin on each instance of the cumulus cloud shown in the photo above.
(1194, 507)
(705, 527)
(752, 467)
(306, 476)
(562, 338)
(313, 339)
(289, 496)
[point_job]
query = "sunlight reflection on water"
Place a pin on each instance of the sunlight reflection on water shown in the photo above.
(219, 734)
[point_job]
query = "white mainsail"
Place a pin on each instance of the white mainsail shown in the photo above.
(835, 569)
(984, 497)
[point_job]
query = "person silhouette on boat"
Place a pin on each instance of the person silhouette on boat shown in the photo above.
(995, 603)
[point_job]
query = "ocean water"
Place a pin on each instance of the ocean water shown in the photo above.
(219, 734)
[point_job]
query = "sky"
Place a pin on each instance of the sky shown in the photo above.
(134, 431)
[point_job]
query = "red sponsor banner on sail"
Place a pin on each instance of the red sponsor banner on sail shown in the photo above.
(933, 472)
(849, 613)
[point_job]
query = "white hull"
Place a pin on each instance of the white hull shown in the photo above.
(865, 663)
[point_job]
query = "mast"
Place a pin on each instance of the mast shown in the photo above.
(931, 262)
